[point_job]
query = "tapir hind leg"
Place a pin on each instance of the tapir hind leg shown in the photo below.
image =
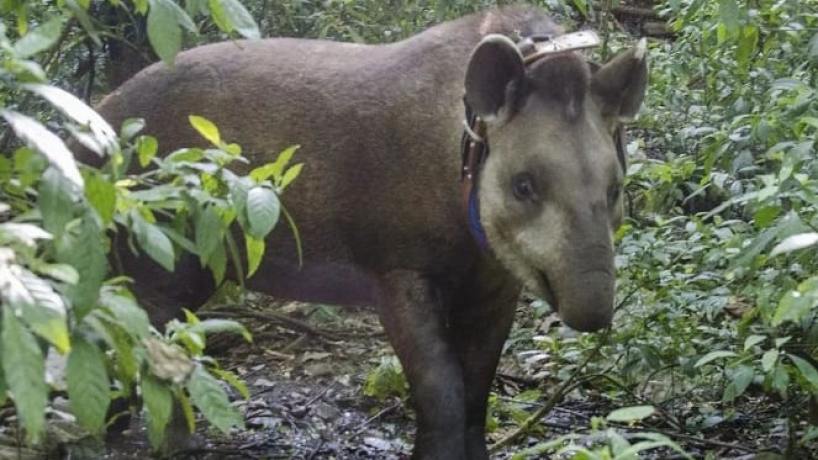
(413, 313)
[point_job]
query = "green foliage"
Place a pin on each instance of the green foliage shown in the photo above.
(60, 218)
(386, 380)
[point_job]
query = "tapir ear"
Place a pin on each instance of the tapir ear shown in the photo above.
(619, 86)
(493, 77)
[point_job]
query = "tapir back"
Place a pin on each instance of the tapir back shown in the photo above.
(379, 131)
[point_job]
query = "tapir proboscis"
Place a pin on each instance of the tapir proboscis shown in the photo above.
(389, 212)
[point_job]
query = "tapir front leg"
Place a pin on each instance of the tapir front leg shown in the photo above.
(413, 311)
(480, 325)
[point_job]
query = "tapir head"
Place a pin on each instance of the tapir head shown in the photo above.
(550, 192)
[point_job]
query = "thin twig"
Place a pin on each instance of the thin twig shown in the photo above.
(566, 387)
(366, 422)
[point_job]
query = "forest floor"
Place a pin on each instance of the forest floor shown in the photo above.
(306, 371)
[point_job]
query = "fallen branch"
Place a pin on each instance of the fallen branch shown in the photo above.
(273, 317)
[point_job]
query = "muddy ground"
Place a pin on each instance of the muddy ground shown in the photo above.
(307, 368)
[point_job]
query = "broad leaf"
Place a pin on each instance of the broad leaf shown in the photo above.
(795, 304)
(101, 193)
(740, 380)
(206, 128)
(153, 241)
(291, 175)
(146, 148)
(164, 33)
(240, 19)
(83, 249)
(88, 385)
(209, 396)
(36, 136)
(768, 359)
(24, 369)
(255, 253)
(56, 201)
(102, 133)
(46, 312)
(712, 356)
(263, 210)
(208, 233)
(158, 403)
(126, 312)
(795, 242)
(807, 371)
(213, 326)
(630, 414)
(39, 39)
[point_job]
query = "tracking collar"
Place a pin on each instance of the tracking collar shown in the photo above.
(474, 144)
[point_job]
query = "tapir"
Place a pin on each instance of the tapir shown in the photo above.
(390, 215)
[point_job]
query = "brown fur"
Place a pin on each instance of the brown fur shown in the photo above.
(377, 203)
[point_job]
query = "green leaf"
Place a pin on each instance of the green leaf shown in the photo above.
(96, 134)
(146, 148)
(155, 243)
(206, 128)
(795, 242)
(263, 210)
(255, 253)
(39, 39)
(36, 136)
(81, 14)
(101, 193)
(213, 326)
(209, 233)
(219, 16)
(218, 264)
(56, 202)
(158, 403)
(753, 340)
(39, 306)
(276, 168)
(768, 359)
(712, 356)
(88, 385)
(807, 370)
(60, 272)
(234, 381)
(24, 369)
(740, 380)
(729, 14)
(210, 398)
(766, 216)
(630, 414)
(130, 128)
(164, 33)
(581, 6)
(83, 249)
(386, 380)
(126, 311)
(796, 304)
(747, 46)
(239, 18)
(291, 174)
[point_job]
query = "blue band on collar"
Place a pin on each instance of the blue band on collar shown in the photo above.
(475, 226)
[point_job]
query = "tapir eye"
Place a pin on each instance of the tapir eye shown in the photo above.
(522, 185)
